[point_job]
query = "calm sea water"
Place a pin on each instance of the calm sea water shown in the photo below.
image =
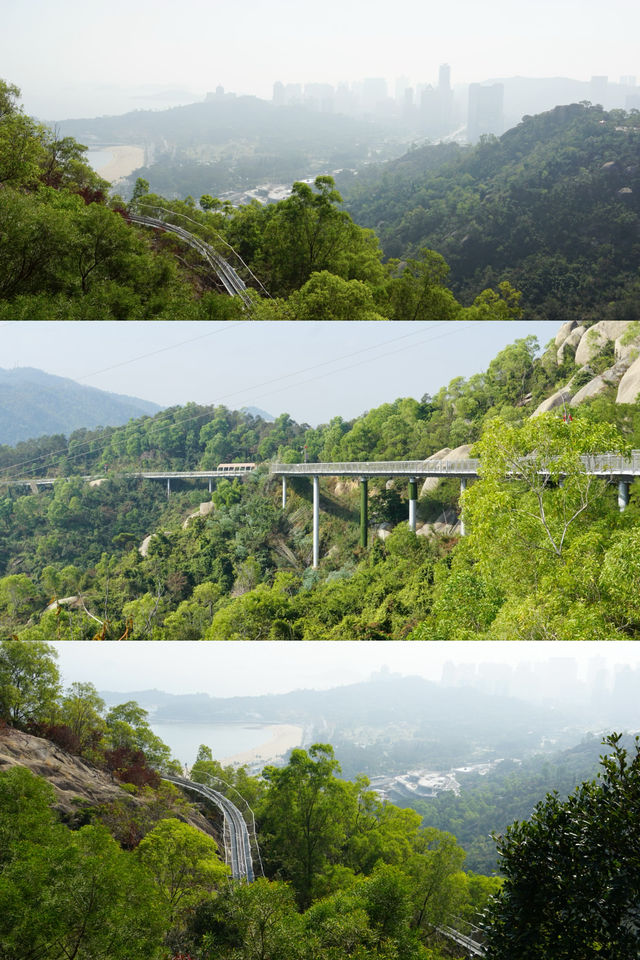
(224, 739)
(98, 158)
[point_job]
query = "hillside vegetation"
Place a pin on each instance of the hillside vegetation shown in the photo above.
(34, 403)
(556, 562)
(127, 877)
(68, 252)
(552, 206)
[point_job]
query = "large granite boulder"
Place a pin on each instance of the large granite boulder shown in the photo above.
(458, 453)
(597, 337)
(556, 399)
(602, 382)
(564, 331)
(571, 341)
(629, 386)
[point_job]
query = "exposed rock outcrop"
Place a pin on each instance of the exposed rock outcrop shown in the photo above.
(457, 453)
(555, 400)
(629, 386)
(203, 511)
(597, 337)
(602, 382)
(571, 341)
(75, 782)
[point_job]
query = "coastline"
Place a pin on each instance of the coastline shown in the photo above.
(124, 161)
(284, 737)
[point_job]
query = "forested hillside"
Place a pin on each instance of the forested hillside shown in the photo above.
(34, 403)
(552, 206)
(550, 563)
(124, 876)
(69, 252)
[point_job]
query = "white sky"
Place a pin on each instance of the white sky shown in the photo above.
(81, 57)
(253, 668)
(313, 371)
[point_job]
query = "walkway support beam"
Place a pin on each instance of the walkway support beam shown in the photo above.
(364, 510)
(413, 503)
(316, 521)
(284, 492)
(463, 487)
(623, 494)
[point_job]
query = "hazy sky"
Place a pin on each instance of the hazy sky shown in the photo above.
(313, 371)
(81, 57)
(252, 668)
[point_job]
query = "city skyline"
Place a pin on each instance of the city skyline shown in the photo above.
(73, 59)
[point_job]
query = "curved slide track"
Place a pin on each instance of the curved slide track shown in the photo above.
(233, 284)
(237, 842)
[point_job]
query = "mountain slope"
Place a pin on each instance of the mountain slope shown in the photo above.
(34, 403)
(553, 206)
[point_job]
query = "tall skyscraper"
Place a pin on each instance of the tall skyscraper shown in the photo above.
(486, 110)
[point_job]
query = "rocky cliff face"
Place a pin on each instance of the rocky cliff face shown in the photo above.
(77, 783)
(612, 344)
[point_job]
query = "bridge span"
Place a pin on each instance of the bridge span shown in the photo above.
(223, 470)
(609, 466)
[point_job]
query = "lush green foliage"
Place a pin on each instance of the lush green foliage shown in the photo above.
(65, 252)
(572, 883)
(551, 206)
(242, 571)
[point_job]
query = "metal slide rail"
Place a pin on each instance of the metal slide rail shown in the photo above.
(233, 284)
(474, 948)
(237, 842)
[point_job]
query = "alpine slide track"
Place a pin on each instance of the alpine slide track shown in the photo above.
(237, 842)
(228, 277)
(238, 856)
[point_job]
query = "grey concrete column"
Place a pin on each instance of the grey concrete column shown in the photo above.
(168, 487)
(463, 487)
(210, 484)
(284, 492)
(413, 503)
(623, 494)
(316, 521)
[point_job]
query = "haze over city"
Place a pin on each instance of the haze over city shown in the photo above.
(75, 59)
(255, 668)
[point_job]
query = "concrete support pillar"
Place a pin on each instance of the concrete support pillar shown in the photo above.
(168, 487)
(623, 494)
(316, 521)
(364, 510)
(210, 484)
(463, 487)
(284, 492)
(413, 503)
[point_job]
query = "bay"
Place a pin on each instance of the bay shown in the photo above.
(225, 739)
(97, 159)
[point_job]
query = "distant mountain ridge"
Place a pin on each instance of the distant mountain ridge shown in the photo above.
(34, 403)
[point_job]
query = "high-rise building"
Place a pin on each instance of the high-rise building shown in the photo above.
(445, 99)
(598, 89)
(486, 110)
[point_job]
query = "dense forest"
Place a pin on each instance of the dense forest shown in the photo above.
(239, 568)
(552, 206)
(345, 874)
(139, 874)
(68, 251)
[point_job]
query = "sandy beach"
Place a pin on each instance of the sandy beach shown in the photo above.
(123, 162)
(284, 737)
